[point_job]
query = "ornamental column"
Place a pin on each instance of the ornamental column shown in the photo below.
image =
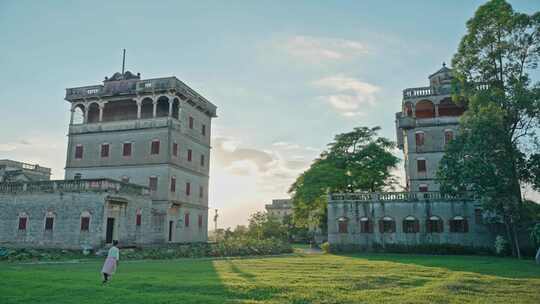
(154, 110)
(71, 118)
(171, 101)
(138, 101)
(436, 110)
(85, 120)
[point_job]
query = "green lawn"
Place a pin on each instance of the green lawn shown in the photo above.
(377, 278)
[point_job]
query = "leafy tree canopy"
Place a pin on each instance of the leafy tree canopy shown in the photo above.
(357, 160)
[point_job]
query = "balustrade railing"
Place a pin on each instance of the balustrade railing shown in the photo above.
(395, 196)
(83, 185)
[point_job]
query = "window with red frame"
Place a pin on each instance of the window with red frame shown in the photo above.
(191, 122)
(423, 188)
(173, 184)
(126, 149)
(22, 223)
(79, 152)
(189, 154)
(203, 130)
(201, 192)
(152, 183)
(175, 149)
(366, 226)
(419, 136)
(105, 150)
(200, 221)
(421, 165)
(186, 219)
(138, 219)
(155, 147)
(188, 189)
(49, 223)
(202, 160)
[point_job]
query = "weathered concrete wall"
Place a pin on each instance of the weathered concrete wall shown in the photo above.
(67, 209)
(478, 235)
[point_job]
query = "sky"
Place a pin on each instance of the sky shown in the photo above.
(286, 76)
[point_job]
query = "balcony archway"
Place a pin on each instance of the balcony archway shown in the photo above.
(93, 113)
(425, 109)
(162, 107)
(448, 108)
(120, 110)
(147, 108)
(78, 115)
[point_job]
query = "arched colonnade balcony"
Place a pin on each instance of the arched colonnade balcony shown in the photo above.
(432, 108)
(142, 107)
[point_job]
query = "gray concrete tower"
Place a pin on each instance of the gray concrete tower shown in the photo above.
(427, 122)
(152, 132)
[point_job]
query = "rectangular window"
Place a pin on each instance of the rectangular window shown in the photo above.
(105, 150)
(200, 221)
(419, 139)
(175, 150)
(387, 226)
(411, 226)
(79, 152)
(202, 160)
(22, 223)
(126, 149)
(85, 223)
(448, 136)
(155, 147)
(203, 130)
(186, 219)
(188, 189)
(173, 184)
(423, 188)
(191, 122)
(343, 226)
(49, 223)
(138, 220)
(434, 225)
(421, 165)
(201, 192)
(459, 226)
(152, 183)
(189, 153)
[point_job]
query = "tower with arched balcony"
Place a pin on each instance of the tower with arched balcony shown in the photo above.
(152, 132)
(427, 121)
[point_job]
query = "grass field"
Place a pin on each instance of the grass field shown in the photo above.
(377, 278)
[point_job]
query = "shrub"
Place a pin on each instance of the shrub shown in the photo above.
(419, 249)
(325, 247)
(501, 246)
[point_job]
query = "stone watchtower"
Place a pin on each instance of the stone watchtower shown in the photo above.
(427, 122)
(152, 132)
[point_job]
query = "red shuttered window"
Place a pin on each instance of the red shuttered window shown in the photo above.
(126, 149)
(79, 152)
(104, 150)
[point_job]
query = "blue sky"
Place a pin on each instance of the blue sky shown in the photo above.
(286, 76)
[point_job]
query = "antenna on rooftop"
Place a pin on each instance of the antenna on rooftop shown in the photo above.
(123, 61)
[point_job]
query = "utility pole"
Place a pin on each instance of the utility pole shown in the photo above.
(123, 61)
(215, 220)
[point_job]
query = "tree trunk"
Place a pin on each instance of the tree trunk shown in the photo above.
(509, 236)
(516, 240)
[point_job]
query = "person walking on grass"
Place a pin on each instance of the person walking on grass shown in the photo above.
(109, 267)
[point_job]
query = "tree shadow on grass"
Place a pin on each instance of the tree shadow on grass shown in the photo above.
(485, 265)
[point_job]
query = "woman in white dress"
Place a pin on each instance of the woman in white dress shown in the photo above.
(109, 267)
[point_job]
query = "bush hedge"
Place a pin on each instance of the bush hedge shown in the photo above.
(442, 249)
(225, 248)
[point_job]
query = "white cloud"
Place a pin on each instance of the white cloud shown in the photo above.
(349, 96)
(7, 147)
(316, 49)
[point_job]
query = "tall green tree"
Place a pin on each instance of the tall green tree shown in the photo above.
(495, 150)
(355, 161)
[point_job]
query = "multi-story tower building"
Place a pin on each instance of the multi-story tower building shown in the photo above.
(427, 122)
(280, 208)
(152, 132)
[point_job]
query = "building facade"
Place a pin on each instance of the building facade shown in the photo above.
(429, 119)
(75, 214)
(14, 171)
(151, 132)
(279, 209)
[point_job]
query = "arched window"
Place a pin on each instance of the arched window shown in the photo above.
(120, 110)
(411, 225)
(434, 224)
(162, 107)
(387, 225)
(49, 221)
(78, 114)
(343, 225)
(408, 109)
(366, 226)
(419, 137)
(448, 108)
(85, 221)
(147, 108)
(93, 113)
(425, 109)
(459, 224)
(23, 221)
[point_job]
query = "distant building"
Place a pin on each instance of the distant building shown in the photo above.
(429, 119)
(280, 208)
(14, 171)
(137, 165)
